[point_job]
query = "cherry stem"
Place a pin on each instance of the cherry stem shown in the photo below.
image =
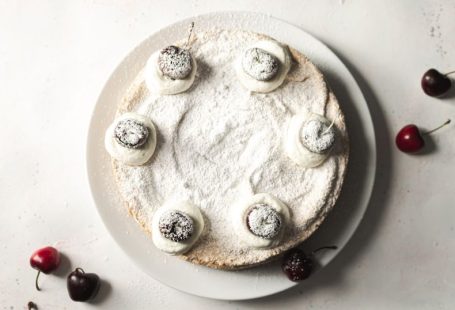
(448, 73)
(36, 280)
(190, 32)
(331, 247)
(437, 128)
(331, 124)
(78, 269)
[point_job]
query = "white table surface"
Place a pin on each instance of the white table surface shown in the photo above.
(55, 57)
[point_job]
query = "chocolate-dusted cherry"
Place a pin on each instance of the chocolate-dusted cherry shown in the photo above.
(176, 62)
(317, 136)
(264, 221)
(435, 84)
(82, 286)
(410, 140)
(45, 260)
(259, 64)
(176, 226)
(131, 133)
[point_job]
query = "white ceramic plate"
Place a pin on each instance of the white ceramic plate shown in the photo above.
(260, 281)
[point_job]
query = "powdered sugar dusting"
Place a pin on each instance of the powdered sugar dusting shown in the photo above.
(259, 64)
(317, 136)
(131, 134)
(175, 62)
(176, 226)
(218, 141)
(264, 221)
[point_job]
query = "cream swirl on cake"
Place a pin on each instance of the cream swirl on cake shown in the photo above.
(263, 66)
(176, 227)
(170, 71)
(260, 220)
(131, 139)
(309, 140)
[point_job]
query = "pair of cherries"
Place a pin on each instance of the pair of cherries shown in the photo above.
(435, 84)
(81, 286)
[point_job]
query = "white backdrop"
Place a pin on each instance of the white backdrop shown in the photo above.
(55, 57)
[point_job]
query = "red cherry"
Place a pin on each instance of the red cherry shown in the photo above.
(410, 140)
(45, 260)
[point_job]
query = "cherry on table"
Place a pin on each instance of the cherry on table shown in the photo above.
(435, 83)
(45, 260)
(410, 140)
(297, 265)
(82, 286)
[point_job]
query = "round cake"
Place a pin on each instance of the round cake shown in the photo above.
(249, 144)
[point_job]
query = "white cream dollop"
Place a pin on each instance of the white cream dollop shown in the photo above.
(240, 214)
(173, 247)
(293, 145)
(130, 156)
(160, 84)
(274, 48)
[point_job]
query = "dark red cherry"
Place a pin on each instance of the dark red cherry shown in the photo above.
(434, 83)
(297, 265)
(410, 140)
(45, 260)
(82, 286)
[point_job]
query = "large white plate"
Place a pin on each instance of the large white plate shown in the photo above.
(257, 282)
